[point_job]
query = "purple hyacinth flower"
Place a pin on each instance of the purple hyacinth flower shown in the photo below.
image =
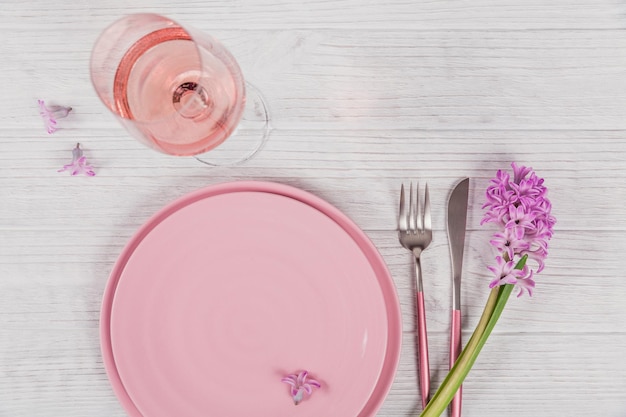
(300, 384)
(79, 164)
(505, 272)
(51, 114)
(520, 207)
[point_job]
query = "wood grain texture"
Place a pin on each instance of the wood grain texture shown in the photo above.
(360, 80)
(364, 96)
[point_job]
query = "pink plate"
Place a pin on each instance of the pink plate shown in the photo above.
(230, 288)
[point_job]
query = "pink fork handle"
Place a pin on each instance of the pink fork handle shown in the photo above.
(455, 350)
(422, 346)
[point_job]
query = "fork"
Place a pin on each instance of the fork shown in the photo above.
(415, 233)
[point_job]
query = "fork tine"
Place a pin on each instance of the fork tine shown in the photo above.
(412, 211)
(402, 224)
(427, 220)
(419, 224)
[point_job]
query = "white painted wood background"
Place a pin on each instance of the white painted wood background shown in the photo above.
(364, 95)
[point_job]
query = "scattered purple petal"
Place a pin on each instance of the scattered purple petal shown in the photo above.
(299, 385)
(51, 114)
(79, 164)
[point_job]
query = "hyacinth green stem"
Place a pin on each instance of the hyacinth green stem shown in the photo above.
(492, 312)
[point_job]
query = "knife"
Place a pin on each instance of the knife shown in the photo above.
(457, 220)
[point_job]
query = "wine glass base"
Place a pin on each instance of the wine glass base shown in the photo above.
(248, 138)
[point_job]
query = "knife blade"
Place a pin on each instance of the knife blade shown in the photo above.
(457, 222)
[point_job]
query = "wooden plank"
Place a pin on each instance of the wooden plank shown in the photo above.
(61, 274)
(394, 79)
(525, 374)
(58, 369)
(348, 14)
(358, 171)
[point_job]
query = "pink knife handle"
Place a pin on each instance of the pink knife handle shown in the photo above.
(455, 350)
(422, 346)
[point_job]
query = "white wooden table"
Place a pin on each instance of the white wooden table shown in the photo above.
(364, 95)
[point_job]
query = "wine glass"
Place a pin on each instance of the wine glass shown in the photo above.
(178, 90)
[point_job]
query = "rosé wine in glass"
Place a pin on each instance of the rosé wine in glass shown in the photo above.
(177, 89)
